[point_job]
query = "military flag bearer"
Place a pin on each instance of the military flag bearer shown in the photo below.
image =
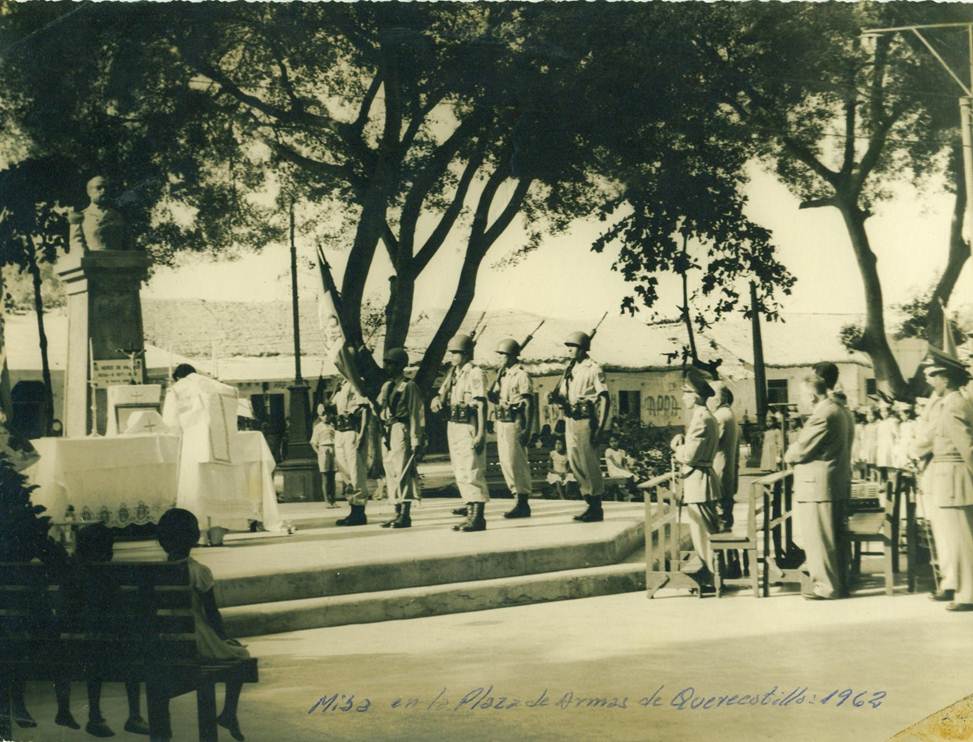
(463, 396)
(351, 440)
(511, 393)
(583, 396)
(403, 429)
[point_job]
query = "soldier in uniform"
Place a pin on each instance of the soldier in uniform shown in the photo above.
(351, 441)
(583, 396)
(726, 462)
(511, 393)
(950, 479)
(819, 455)
(695, 452)
(463, 396)
(403, 427)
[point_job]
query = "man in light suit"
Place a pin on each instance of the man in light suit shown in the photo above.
(819, 456)
(951, 476)
(695, 452)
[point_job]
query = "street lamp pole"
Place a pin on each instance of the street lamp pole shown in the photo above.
(300, 470)
(965, 101)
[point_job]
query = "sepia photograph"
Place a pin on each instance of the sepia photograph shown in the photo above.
(486, 371)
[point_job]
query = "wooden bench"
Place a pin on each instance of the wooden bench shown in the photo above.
(881, 525)
(141, 630)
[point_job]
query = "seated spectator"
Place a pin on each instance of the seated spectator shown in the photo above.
(618, 463)
(95, 544)
(178, 534)
(560, 473)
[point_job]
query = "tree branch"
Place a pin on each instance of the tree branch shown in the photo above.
(509, 211)
(817, 203)
(358, 125)
(452, 212)
(848, 159)
(330, 170)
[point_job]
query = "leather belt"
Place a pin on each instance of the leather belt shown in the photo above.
(507, 414)
(460, 413)
(344, 423)
(580, 410)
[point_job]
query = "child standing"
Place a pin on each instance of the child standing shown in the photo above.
(95, 544)
(560, 473)
(322, 441)
(178, 534)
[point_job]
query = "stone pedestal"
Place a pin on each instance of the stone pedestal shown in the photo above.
(104, 318)
(302, 480)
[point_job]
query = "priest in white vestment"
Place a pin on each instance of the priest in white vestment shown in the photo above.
(225, 478)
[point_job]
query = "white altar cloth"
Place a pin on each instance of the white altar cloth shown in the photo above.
(134, 479)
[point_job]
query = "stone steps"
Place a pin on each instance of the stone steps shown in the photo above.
(432, 600)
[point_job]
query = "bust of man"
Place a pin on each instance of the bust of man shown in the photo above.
(98, 227)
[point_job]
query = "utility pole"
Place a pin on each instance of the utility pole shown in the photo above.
(759, 372)
(965, 100)
(300, 470)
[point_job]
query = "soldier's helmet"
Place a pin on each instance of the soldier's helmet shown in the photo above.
(508, 346)
(460, 344)
(579, 339)
(396, 356)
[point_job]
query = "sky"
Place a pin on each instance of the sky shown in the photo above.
(564, 278)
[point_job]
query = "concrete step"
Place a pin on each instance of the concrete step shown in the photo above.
(338, 561)
(433, 600)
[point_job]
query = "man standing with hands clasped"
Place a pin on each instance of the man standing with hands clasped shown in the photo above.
(351, 426)
(463, 396)
(403, 427)
(821, 458)
(695, 451)
(511, 395)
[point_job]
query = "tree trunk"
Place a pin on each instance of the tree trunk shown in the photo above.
(35, 274)
(463, 298)
(959, 251)
(874, 342)
(6, 403)
(399, 311)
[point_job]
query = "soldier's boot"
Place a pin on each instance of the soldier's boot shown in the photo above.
(594, 514)
(470, 511)
(464, 511)
(587, 512)
(520, 510)
(355, 518)
(477, 522)
(398, 511)
(405, 518)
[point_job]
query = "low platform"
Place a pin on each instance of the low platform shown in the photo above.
(324, 575)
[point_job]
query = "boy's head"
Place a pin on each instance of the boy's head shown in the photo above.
(178, 531)
(559, 445)
(613, 441)
(95, 543)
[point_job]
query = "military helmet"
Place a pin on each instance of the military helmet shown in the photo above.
(508, 346)
(579, 339)
(397, 355)
(460, 344)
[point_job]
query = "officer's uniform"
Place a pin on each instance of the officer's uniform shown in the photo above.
(951, 482)
(701, 485)
(514, 390)
(922, 449)
(820, 480)
(466, 388)
(581, 388)
(350, 406)
(726, 461)
(403, 421)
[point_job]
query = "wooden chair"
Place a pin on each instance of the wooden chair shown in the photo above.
(746, 542)
(143, 631)
(875, 526)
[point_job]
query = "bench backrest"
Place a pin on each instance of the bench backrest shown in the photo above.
(115, 613)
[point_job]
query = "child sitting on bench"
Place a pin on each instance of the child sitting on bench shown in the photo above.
(95, 544)
(178, 534)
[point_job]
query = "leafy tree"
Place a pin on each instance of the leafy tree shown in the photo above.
(837, 118)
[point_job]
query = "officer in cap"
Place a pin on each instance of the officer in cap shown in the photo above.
(583, 396)
(351, 440)
(463, 397)
(948, 484)
(695, 451)
(511, 395)
(820, 484)
(403, 422)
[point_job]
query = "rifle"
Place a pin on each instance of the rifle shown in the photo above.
(555, 397)
(447, 382)
(492, 392)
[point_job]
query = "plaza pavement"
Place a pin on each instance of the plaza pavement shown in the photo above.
(602, 650)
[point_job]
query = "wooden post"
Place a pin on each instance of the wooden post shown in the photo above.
(759, 372)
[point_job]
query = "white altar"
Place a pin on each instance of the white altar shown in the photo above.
(129, 479)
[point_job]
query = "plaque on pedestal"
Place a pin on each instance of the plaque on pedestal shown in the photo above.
(125, 401)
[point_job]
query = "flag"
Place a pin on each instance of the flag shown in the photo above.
(949, 344)
(336, 347)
